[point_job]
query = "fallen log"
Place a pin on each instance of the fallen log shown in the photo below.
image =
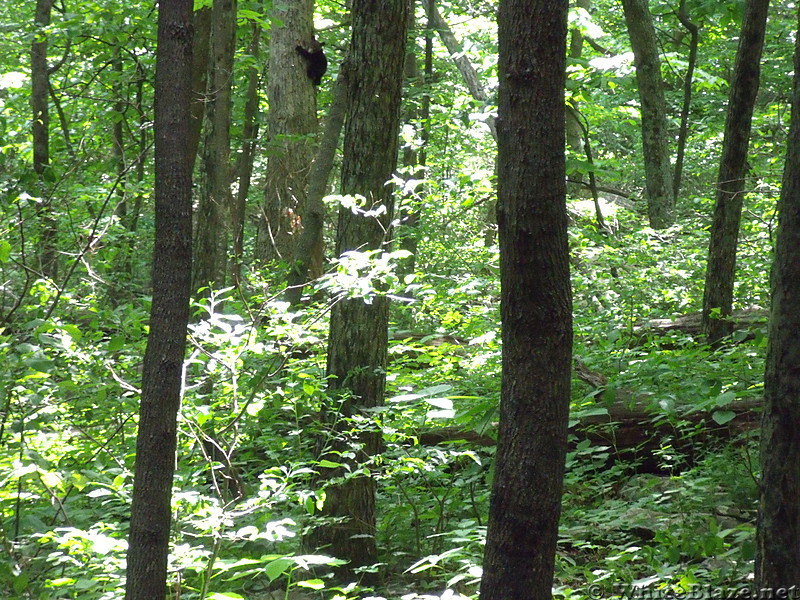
(747, 321)
(634, 429)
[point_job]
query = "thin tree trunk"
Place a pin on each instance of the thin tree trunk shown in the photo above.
(307, 248)
(655, 140)
(574, 128)
(200, 58)
(476, 90)
(683, 133)
(418, 113)
(245, 166)
(456, 50)
(148, 543)
(215, 192)
(721, 268)
(292, 123)
(778, 534)
(141, 156)
(358, 338)
(536, 308)
(40, 86)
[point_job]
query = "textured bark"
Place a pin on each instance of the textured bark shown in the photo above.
(655, 140)
(292, 123)
(536, 307)
(215, 191)
(148, 543)
(40, 90)
(683, 133)
(778, 536)
(721, 267)
(359, 331)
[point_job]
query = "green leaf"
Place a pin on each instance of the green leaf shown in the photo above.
(5, 251)
(314, 584)
(723, 416)
(278, 567)
(42, 365)
(725, 398)
(116, 343)
(329, 464)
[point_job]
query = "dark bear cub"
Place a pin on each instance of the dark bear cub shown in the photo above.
(316, 61)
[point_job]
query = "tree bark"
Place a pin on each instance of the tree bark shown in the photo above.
(200, 58)
(416, 114)
(148, 543)
(778, 533)
(215, 191)
(357, 346)
(721, 268)
(40, 91)
(655, 140)
(292, 123)
(536, 307)
(310, 238)
(683, 133)
(245, 163)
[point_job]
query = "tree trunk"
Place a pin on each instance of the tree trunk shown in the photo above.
(655, 140)
(574, 127)
(200, 55)
(308, 246)
(215, 191)
(778, 534)
(536, 307)
(683, 133)
(417, 115)
(721, 268)
(148, 543)
(292, 123)
(476, 90)
(359, 331)
(245, 164)
(40, 91)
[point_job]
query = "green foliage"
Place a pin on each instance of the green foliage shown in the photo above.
(251, 426)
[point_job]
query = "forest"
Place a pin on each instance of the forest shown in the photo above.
(399, 299)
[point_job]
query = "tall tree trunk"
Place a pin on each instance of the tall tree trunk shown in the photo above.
(655, 140)
(123, 259)
(215, 191)
(245, 164)
(292, 123)
(683, 133)
(40, 90)
(148, 543)
(721, 268)
(358, 339)
(306, 250)
(536, 308)
(778, 535)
